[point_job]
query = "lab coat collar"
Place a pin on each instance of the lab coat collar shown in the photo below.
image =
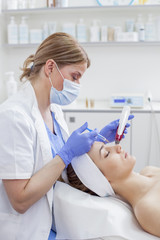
(60, 119)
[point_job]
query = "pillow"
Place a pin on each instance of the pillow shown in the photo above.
(79, 215)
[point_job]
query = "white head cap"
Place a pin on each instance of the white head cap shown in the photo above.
(91, 176)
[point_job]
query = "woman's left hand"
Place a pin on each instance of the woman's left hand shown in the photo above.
(109, 131)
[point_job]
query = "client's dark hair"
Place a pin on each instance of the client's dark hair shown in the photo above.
(75, 182)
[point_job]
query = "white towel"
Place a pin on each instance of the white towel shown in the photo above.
(91, 176)
(79, 215)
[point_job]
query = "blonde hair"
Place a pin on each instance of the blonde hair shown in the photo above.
(61, 47)
(75, 182)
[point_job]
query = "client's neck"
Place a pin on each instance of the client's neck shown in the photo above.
(131, 188)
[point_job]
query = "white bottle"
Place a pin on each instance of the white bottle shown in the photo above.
(70, 28)
(58, 3)
(81, 31)
(158, 28)
(12, 4)
(140, 25)
(64, 3)
(95, 31)
(22, 4)
(23, 31)
(50, 3)
(11, 84)
(32, 4)
(12, 31)
(104, 33)
(139, 22)
(45, 30)
(150, 29)
(141, 33)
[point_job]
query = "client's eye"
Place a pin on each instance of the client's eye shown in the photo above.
(107, 154)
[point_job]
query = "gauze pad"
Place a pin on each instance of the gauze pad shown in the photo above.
(91, 176)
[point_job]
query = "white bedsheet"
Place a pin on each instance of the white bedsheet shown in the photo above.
(79, 215)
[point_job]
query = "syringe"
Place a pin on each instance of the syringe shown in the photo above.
(100, 136)
(122, 124)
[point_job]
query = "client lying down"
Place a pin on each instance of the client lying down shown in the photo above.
(141, 190)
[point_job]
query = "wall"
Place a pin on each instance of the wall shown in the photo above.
(123, 70)
(114, 68)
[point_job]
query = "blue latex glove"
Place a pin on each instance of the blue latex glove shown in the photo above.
(77, 144)
(109, 131)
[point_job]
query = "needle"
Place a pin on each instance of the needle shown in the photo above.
(99, 135)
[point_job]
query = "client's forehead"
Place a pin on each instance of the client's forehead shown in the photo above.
(94, 151)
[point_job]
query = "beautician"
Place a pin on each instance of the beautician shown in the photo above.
(35, 146)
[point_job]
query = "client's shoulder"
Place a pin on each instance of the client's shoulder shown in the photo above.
(150, 171)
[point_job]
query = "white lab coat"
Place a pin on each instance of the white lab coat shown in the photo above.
(24, 149)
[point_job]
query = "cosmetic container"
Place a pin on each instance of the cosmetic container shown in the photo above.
(104, 33)
(52, 26)
(117, 31)
(23, 31)
(130, 25)
(11, 84)
(95, 31)
(36, 36)
(22, 4)
(12, 31)
(12, 4)
(158, 28)
(45, 30)
(32, 4)
(64, 3)
(51, 3)
(150, 29)
(141, 33)
(81, 31)
(69, 28)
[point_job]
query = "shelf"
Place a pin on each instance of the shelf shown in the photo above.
(92, 44)
(83, 8)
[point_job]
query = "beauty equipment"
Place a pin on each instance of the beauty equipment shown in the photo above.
(100, 136)
(122, 123)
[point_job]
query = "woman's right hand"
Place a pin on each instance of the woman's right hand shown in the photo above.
(77, 144)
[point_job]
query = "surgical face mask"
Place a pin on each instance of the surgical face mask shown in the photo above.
(68, 94)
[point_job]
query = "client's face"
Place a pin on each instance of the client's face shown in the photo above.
(113, 162)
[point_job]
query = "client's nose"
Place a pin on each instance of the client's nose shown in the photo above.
(118, 148)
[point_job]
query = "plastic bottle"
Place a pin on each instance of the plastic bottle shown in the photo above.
(64, 3)
(150, 29)
(32, 3)
(141, 33)
(58, 3)
(12, 4)
(11, 84)
(12, 31)
(139, 22)
(23, 31)
(81, 31)
(104, 33)
(95, 31)
(140, 25)
(158, 28)
(22, 4)
(45, 30)
(70, 28)
(130, 23)
(50, 3)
